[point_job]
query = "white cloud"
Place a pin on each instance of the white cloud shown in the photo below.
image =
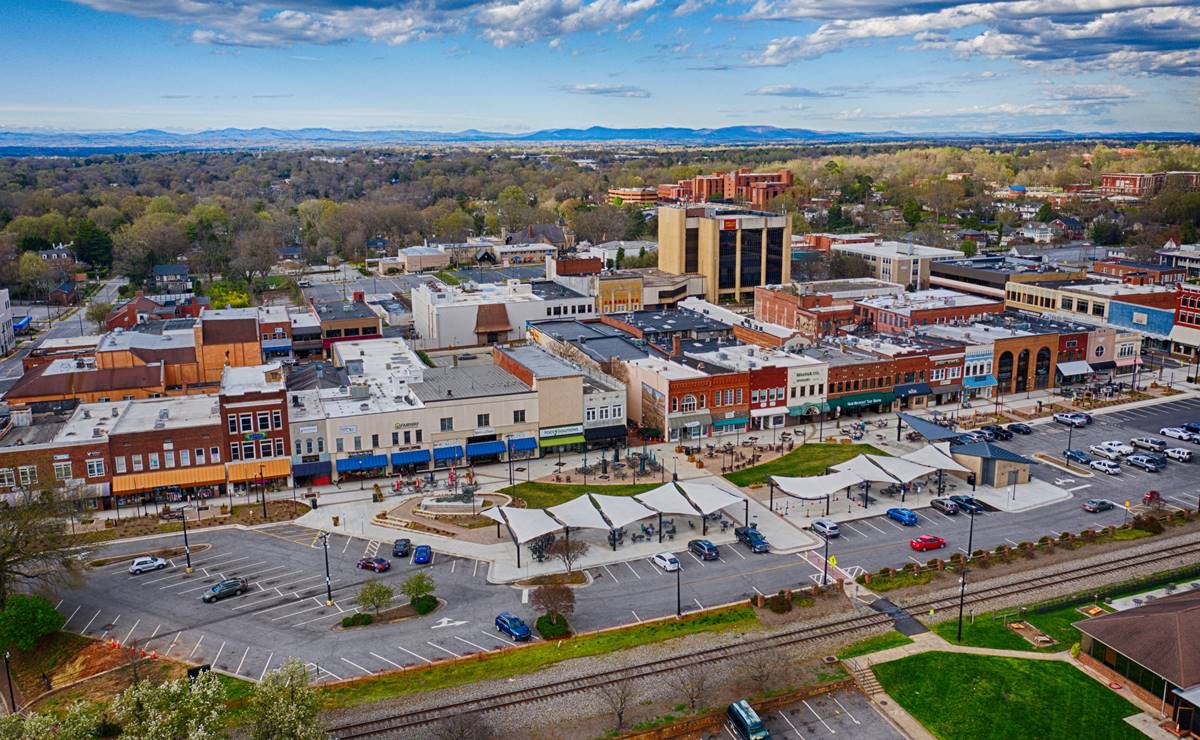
(611, 91)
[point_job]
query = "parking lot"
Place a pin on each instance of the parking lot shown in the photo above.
(336, 288)
(500, 274)
(838, 714)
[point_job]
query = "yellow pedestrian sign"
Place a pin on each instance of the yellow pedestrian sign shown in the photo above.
(833, 560)
(1126, 504)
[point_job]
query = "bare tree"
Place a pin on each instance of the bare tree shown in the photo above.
(553, 600)
(617, 697)
(34, 544)
(464, 727)
(568, 551)
(692, 683)
(758, 668)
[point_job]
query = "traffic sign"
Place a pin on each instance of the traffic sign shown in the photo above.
(833, 560)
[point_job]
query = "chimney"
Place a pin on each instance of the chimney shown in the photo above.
(676, 349)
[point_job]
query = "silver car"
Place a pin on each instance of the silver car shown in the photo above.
(146, 562)
(825, 527)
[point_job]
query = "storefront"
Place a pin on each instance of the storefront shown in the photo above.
(949, 393)
(807, 413)
(273, 473)
(447, 456)
(769, 418)
(911, 395)
(410, 462)
(691, 425)
(603, 438)
(485, 451)
(315, 472)
(362, 466)
(175, 485)
(1075, 371)
(567, 438)
(979, 386)
(522, 448)
(857, 403)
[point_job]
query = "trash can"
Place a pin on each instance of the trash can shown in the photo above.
(312, 501)
(335, 521)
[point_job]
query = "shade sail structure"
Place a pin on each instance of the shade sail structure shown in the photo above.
(709, 498)
(621, 510)
(934, 457)
(524, 524)
(667, 499)
(866, 470)
(579, 512)
(816, 486)
(927, 429)
(902, 470)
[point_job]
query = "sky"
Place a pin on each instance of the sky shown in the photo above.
(523, 65)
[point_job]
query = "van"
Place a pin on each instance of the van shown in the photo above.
(745, 722)
(825, 527)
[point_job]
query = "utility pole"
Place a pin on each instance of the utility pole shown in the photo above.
(962, 581)
(328, 587)
(187, 550)
(262, 491)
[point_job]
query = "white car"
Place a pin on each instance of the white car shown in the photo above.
(666, 561)
(1105, 451)
(1106, 466)
(1177, 433)
(145, 563)
(1118, 447)
(1178, 454)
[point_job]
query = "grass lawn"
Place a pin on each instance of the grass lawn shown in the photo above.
(808, 459)
(525, 660)
(447, 277)
(874, 644)
(541, 495)
(979, 697)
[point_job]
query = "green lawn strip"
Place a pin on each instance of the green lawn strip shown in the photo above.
(874, 644)
(532, 658)
(541, 495)
(447, 277)
(902, 579)
(980, 697)
(237, 700)
(807, 459)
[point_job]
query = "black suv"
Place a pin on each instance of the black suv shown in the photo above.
(401, 548)
(703, 549)
(752, 538)
(998, 432)
(228, 587)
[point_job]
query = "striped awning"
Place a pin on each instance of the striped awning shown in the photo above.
(200, 475)
(278, 467)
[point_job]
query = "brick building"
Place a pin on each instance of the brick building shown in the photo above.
(1140, 273)
(899, 314)
(254, 414)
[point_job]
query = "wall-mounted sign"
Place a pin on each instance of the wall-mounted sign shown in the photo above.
(308, 430)
(561, 431)
(253, 436)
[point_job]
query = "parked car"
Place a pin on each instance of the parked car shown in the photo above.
(1078, 456)
(401, 548)
(1158, 458)
(666, 561)
(304, 283)
(969, 437)
(1103, 450)
(378, 565)
(825, 527)
(745, 723)
(513, 626)
(998, 432)
(703, 549)
(1154, 444)
(1144, 462)
(1097, 505)
(1193, 427)
(907, 517)
(422, 555)
(1087, 418)
(1020, 428)
(1120, 447)
(228, 587)
(1178, 433)
(923, 542)
(1069, 418)
(1105, 466)
(1178, 454)
(969, 504)
(146, 562)
(985, 434)
(752, 538)
(944, 505)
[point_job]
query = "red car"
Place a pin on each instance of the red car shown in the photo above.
(378, 565)
(924, 542)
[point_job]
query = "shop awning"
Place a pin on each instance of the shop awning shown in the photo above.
(479, 449)
(773, 411)
(201, 475)
(1073, 368)
(410, 457)
(979, 381)
(941, 390)
(276, 467)
(614, 431)
(364, 462)
(1185, 335)
(521, 444)
(689, 419)
(567, 439)
(730, 422)
(441, 454)
(816, 486)
(1106, 365)
(1128, 361)
(909, 390)
(311, 469)
(860, 400)
(807, 409)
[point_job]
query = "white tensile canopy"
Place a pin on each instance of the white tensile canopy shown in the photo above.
(709, 498)
(579, 512)
(621, 510)
(905, 471)
(524, 524)
(816, 486)
(933, 456)
(667, 499)
(866, 470)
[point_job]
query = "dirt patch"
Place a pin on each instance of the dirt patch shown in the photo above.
(575, 578)
(102, 689)
(1091, 611)
(1032, 635)
(246, 514)
(806, 607)
(166, 552)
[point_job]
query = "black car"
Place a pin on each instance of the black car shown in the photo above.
(401, 548)
(703, 549)
(969, 504)
(998, 432)
(1020, 428)
(752, 538)
(228, 587)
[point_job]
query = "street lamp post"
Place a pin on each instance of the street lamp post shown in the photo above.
(187, 550)
(678, 595)
(962, 581)
(12, 698)
(262, 491)
(328, 586)
(825, 565)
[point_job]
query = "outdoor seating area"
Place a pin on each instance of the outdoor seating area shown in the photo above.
(744, 453)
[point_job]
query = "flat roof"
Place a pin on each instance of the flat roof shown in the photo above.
(238, 380)
(174, 412)
(603, 349)
(836, 356)
(548, 289)
(1113, 290)
(572, 329)
(733, 318)
(748, 357)
(896, 249)
(422, 251)
(42, 430)
(680, 319)
(137, 339)
(923, 300)
(89, 417)
(668, 369)
(335, 310)
(594, 384)
(219, 314)
(541, 363)
(467, 381)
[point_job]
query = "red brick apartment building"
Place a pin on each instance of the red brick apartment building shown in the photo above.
(813, 315)
(756, 188)
(823, 242)
(1145, 184)
(254, 411)
(1140, 273)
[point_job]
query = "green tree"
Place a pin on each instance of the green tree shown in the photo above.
(98, 311)
(93, 245)
(152, 239)
(513, 208)
(80, 722)
(417, 586)
(620, 256)
(1187, 233)
(1105, 232)
(375, 595)
(912, 212)
(842, 265)
(285, 707)
(835, 218)
(1046, 213)
(176, 709)
(26, 619)
(968, 247)
(456, 225)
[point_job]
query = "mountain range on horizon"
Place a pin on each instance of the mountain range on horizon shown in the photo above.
(16, 142)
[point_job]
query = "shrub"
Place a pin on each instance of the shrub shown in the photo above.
(779, 603)
(1075, 650)
(1148, 523)
(552, 630)
(424, 604)
(357, 620)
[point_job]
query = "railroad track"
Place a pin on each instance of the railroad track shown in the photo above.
(407, 720)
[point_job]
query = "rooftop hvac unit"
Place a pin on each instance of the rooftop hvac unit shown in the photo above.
(87, 413)
(97, 432)
(115, 412)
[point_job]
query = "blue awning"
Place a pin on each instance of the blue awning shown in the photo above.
(282, 343)
(365, 462)
(521, 444)
(979, 381)
(911, 389)
(447, 453)
(311, 469)
(729, 422)
(479, 449)
(410, 457)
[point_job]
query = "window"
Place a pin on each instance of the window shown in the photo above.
(418, 436)
(119, 463)
(739, 395)
(153, 459)
(137, 462)
(339, 444)
(603, 413)
(395, 439)
(28, 475)
(689, 403)
(169, 458)
(265, 448)
(407, 438)
(374, 441)
(233, 424)
(62, 470)
(955, 372)
(247, 422)
(247, 450)
(674, 405)
(7, 479)
(235, 451)
(278, 447)
(185, 458)
(589, 414)
(200, 456)
(728, 396)
(447, 424)
(618, 411)
(320, 444)
(483, 420)
(264, 421)
(519, 416)
(95, 468)
(277, 419)
(937, 374)
(357, 443)
(298, 448)
(214, 454)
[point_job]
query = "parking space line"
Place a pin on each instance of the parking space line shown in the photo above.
(872, 526)
(698, 560)
(897, 526)
(130, 633)
(152, 635)
(631, 570)
(321, 670)
(266, 667)
(475, 570)
(910, 557)
(847, 711)
(356, 665)
(814, 713)
(610, 573)
(385, 660)
(480, 647)
(789, 724)
(300, 580)
(735, 551)
(243, 660)
(945, 517)
(89, 624)
(655, 568)
(148, 581)
(346, 546)
(219, 651)
(1010, 542)
(453, 562)
(172, 645)
(853, 528)
(635, 616)
(326, 616)
(699, 604)
(444, 650)
(418, 657)
(196, 646)
(72, 616)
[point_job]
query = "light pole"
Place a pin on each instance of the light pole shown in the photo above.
(328, 587)
(187, 550)
(825, 565)
(962, 581)
(12, 698)
(262, 491)
(678, 597)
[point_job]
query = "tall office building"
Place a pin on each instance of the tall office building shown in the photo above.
(736, 249)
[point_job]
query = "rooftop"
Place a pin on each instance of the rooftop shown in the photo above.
(838, 355)
(91, 421)
(236, 381)
(733, 318)
(467, 381)
(680, 320)
(35, 429)
(341, 310)
(540, 363)
(896, 249)
(154, 335)
(1137, 264)
(721, 210)
(548, 290)
(174, 412)
(421, 250)
(923, 300)
(741, 357)
(652, 276)
(273, 314)
(1113, 290)
(845, 288)
(229, 314)
(667, 369)
(601, 384)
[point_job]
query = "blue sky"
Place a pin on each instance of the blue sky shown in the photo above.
(517, 65)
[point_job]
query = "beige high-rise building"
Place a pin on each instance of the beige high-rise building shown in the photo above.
(736, 249)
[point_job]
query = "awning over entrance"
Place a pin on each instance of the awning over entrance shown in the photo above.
(453, 452)
(202, 475)
(410, 457)
(1106, 365)
(359, 464)
(479, 449)
(690, 419)
(911, 389)
(522, 444)
(1128, 361)
(941, 390)
(569, 439)
(1185, 335)
(1073, 368)
(730, 422)
(861, 400)
(979, 381)
(615, 431)
(807, 409)
(278, 467)
(775, 411)
(312, 469)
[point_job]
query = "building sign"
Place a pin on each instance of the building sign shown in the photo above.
(406, 424)
(561, 431)
(348, 429)
(62, 457)
(729, 223)
(253, 436)
(307, 430)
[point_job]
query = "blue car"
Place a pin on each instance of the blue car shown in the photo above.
(511, 625)
(1077, 456)
(905, 516)
(422, 555)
